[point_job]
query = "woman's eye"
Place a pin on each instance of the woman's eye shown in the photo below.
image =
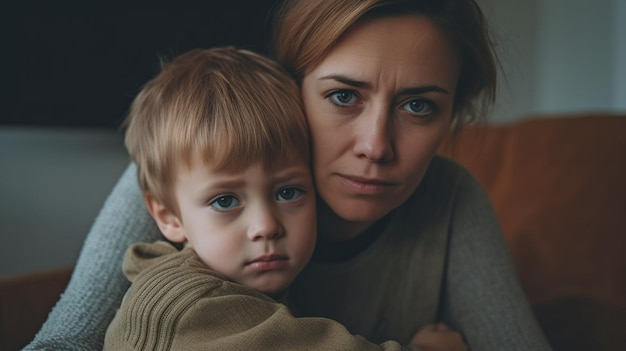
(289, 194)
(225, 203)
(419, 107)
(343, 97)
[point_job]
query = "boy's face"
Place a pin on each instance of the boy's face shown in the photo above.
(257, 227)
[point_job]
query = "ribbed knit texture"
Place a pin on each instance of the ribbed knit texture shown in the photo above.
(177, 303)
(481, 296)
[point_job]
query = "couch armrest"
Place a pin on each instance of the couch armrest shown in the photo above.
(25, 302)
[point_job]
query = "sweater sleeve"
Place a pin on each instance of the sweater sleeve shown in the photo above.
(272, 328)
(80, 318)
(482, 296)
(177, 303)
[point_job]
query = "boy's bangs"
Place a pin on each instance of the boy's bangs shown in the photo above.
(248, 136)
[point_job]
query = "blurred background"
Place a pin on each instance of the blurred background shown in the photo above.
(68, 78)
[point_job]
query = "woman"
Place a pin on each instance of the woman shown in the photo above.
(407, 238)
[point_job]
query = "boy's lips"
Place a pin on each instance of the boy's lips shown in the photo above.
(268, 262)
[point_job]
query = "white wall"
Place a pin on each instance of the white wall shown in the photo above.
(513, 25)
(53, 182)
(574, 56)
(559, 56)
(619, 62)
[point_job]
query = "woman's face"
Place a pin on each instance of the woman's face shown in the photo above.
(378, 107)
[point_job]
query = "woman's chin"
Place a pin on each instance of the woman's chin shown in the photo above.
(344, 218)
(359, 211)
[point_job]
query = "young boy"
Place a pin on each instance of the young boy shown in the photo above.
(221, 146)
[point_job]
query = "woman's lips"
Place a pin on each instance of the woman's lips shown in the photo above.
(268, 263)
(365, 186)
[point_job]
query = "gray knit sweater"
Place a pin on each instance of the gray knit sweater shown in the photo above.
(479, 294)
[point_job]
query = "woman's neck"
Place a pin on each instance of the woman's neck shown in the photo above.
(340, 240)
(332, 228)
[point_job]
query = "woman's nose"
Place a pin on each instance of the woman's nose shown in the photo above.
(265, 225)
(373, 137)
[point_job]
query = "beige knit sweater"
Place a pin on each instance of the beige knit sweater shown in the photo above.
(177, 303)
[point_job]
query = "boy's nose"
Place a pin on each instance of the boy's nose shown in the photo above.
(265, 225)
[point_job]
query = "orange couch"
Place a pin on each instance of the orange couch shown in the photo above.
(558, 185)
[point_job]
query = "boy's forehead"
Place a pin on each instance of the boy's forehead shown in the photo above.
(232, 164)
(202, 172)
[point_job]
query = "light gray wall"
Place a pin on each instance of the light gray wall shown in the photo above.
(574, 56)
(52, 184)
(513, 25)
(559, 56)
(619, 62)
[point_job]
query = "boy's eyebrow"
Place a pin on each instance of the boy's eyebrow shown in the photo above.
(364, 85)
(293, 173)
(233, 181)
(222, 183)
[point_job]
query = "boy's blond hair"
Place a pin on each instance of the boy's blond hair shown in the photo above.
(229, 107)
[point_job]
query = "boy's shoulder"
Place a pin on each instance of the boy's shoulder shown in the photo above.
(174, 289)
(162, 260)
(162, 272)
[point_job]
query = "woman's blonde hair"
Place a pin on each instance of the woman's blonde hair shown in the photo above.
(306, 30)
(229, 107)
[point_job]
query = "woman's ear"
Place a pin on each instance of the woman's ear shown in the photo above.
(168, 222)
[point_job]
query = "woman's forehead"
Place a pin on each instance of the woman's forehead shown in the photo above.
(408, 49)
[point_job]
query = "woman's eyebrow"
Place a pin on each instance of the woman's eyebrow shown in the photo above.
(345, 80)
(423, 90)
(364, 85)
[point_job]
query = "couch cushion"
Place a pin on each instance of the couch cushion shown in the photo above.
(558, 185)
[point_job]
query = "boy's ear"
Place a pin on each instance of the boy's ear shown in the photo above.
(169, 224)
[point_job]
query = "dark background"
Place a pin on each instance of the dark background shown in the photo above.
(83, 69)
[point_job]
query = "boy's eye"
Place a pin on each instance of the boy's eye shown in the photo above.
(289, 194)
(225, 203)
(419, 107)
(343, 97)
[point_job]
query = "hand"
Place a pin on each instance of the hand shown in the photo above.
(438, 337)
